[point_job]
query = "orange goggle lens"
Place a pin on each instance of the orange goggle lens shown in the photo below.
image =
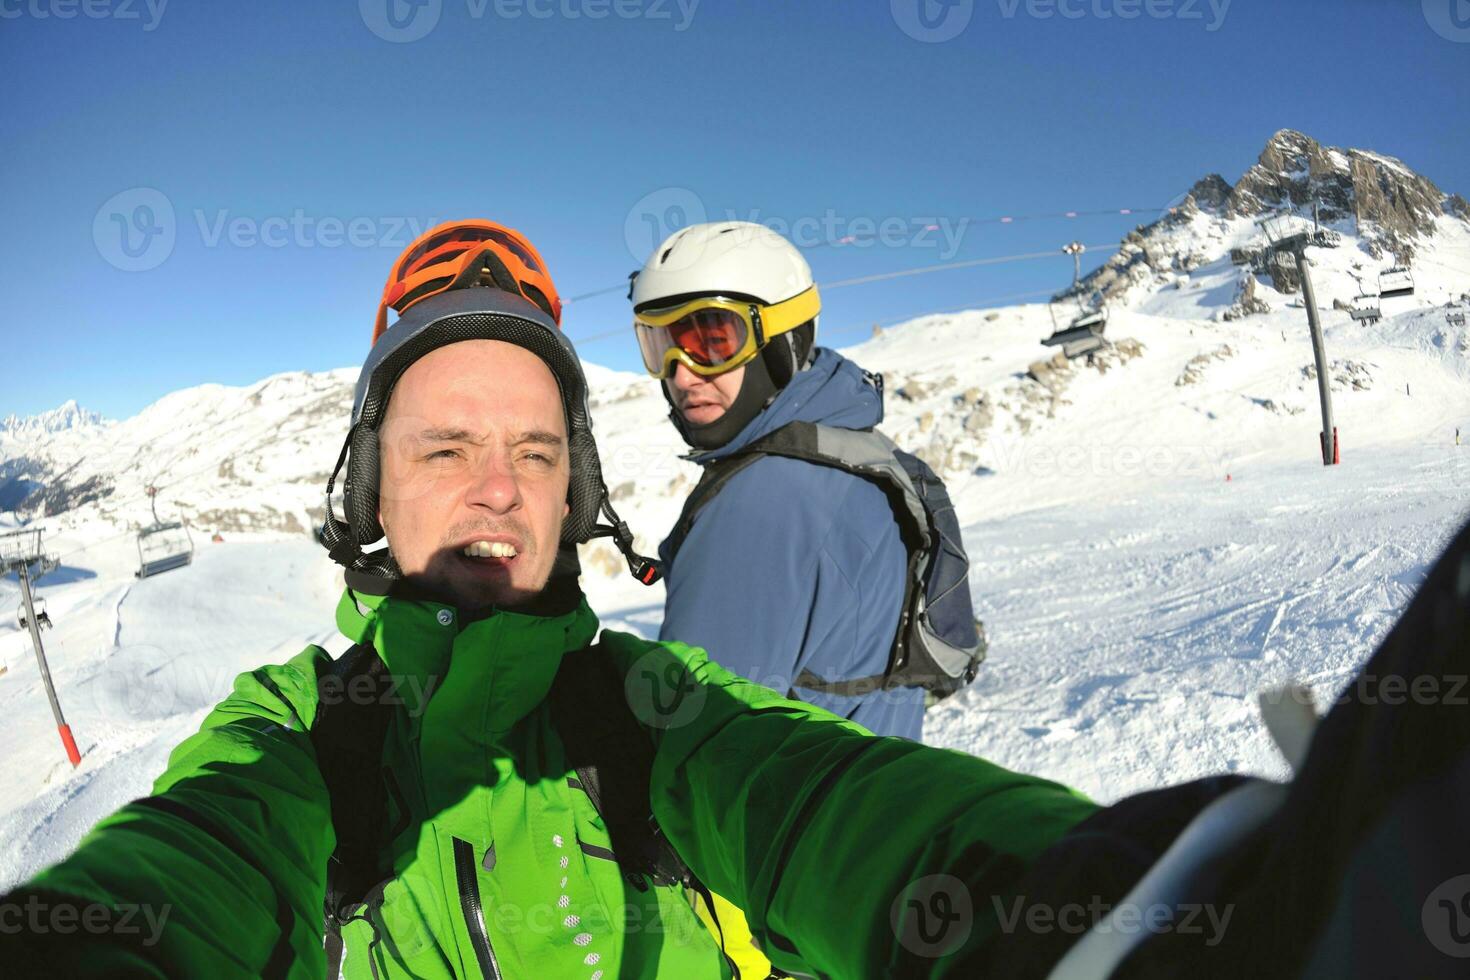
(711, 338)
(457, 239)
(440, 259)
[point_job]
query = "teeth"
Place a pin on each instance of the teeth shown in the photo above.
(490, 549)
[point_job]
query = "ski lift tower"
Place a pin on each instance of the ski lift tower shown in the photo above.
(1083, 334)
(1075, 249)
(21, 553)
(1287, 240)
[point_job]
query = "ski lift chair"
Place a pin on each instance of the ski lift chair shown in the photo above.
(1398, 281)
(164, 547)
(1083, 335)
(1455, 319)
(43, 619)
(1365, 309)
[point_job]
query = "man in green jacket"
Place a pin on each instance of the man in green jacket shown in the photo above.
(489, 856)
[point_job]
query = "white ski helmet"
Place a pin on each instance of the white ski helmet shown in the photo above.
(733, 260)
(739, 259)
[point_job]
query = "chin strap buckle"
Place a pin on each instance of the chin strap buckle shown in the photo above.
(646, 570)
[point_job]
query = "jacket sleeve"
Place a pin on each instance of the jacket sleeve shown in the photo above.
(791, 565)
(851, 855)
(221, 872)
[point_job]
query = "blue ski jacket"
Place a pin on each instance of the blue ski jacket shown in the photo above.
(794, 566)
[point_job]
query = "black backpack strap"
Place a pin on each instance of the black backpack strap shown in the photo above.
(348, 736)
(612, 754)
(864, 453)
(613, 758)
(853, 688)
(711, 482)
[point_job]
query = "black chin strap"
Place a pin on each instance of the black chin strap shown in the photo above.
(646, 570)
(339, 538)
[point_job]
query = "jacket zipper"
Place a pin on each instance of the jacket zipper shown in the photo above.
(474, 915)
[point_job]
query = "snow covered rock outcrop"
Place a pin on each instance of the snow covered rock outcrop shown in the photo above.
(1386, 208)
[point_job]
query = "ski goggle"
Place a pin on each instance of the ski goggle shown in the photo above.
(712, 334)
(465, 253)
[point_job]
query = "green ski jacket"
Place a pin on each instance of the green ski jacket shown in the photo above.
(501, 865)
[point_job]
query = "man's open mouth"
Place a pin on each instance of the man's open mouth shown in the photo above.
(490, 553)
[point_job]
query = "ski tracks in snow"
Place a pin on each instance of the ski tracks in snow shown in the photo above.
(1129, 642)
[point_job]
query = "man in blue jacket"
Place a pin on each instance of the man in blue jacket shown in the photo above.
(793, 574)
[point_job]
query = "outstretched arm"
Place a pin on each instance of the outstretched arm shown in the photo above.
(852, 855)
(221, 872)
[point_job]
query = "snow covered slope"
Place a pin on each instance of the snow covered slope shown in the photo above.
(1154, 536)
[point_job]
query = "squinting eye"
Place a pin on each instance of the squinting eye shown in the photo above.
(443, 454)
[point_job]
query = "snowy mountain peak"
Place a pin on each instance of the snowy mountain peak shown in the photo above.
(1296, 172)
(1375, 204)
(65, 417)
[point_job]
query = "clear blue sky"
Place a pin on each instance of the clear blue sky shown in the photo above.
(564, 127)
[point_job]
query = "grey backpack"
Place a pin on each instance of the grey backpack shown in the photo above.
(939, 643)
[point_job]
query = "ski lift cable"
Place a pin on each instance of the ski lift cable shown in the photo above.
(860, 280)
(596, 292)
(946, 267)
(969, 219)
(999, 220)
(979, 304)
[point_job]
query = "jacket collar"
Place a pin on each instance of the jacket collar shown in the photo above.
(425, 645)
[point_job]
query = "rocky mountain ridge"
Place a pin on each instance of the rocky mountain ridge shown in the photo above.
(1387, 209)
